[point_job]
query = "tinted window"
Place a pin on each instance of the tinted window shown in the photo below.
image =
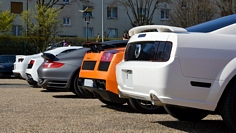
(148, 51)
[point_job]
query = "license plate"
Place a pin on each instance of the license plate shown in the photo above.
(88, 82)
(129, 78)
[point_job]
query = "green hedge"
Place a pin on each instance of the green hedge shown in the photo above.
(20, 45)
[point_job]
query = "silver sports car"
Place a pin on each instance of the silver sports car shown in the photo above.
(60, 72)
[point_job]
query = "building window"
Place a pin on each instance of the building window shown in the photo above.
(88, 14)
(112, 33)
(111, 12)
(16, 30)
(165, 14)
(66, 21)
(16, 7)
(90, 32)
(66, 1)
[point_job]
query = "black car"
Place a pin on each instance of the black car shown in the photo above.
(7, 65)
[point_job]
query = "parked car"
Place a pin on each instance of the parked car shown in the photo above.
(190, 74)
(34, 63)
(6, 65)
(60, 72)
(21, 64)
(97, 75)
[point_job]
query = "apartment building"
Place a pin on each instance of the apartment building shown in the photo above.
(112, 22)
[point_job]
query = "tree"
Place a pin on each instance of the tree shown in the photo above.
(7, 18)
(41, 26)
(140, 12)
(227, 7)
(44, 24)
(186, 13)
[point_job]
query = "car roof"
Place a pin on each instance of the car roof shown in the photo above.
(8, 55)
(213, 25)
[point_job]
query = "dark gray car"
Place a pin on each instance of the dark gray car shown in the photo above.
(61, 72)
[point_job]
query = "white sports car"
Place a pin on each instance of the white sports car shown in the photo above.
(189, 73)
(21, 63)
(35, 62)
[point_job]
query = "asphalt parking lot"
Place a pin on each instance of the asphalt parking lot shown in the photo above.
(25, 109)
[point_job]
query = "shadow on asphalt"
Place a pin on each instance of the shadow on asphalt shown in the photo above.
(203, 126)
(71, 96)
(65, 96)
(51, 90)
(127, 109)
(121, 108)
(14, 84)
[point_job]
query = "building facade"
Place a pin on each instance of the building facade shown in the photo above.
(105, 20)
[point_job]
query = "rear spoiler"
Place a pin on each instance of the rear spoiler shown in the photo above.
(94, 46)
(156, 28)
(101, 46)
(48, 56)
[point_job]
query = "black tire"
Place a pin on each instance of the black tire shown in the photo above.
(73, 85)
(186, 114)
(144, 106)
(111, 103)
(79, 91)
(228, 108)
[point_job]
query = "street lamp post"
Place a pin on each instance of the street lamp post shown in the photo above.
(27, 6)
(87, 18)
(102, 24)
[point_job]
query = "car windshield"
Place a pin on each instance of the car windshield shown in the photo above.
(6, 59)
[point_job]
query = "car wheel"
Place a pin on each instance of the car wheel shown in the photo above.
(228, 108)
(112, 103)
(144, 106)
(79, 91)
(186, 114)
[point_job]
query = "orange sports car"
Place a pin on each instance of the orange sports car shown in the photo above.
(98, 76)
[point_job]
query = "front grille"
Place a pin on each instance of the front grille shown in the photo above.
(103, 66)
(148, 51)
(88, 65)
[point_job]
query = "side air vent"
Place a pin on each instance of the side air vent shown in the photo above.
(88, 65)
(148, 51)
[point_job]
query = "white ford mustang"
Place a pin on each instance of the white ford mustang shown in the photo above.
(189, 73)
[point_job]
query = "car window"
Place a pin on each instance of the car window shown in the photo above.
(6, 59)
(148, 51)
